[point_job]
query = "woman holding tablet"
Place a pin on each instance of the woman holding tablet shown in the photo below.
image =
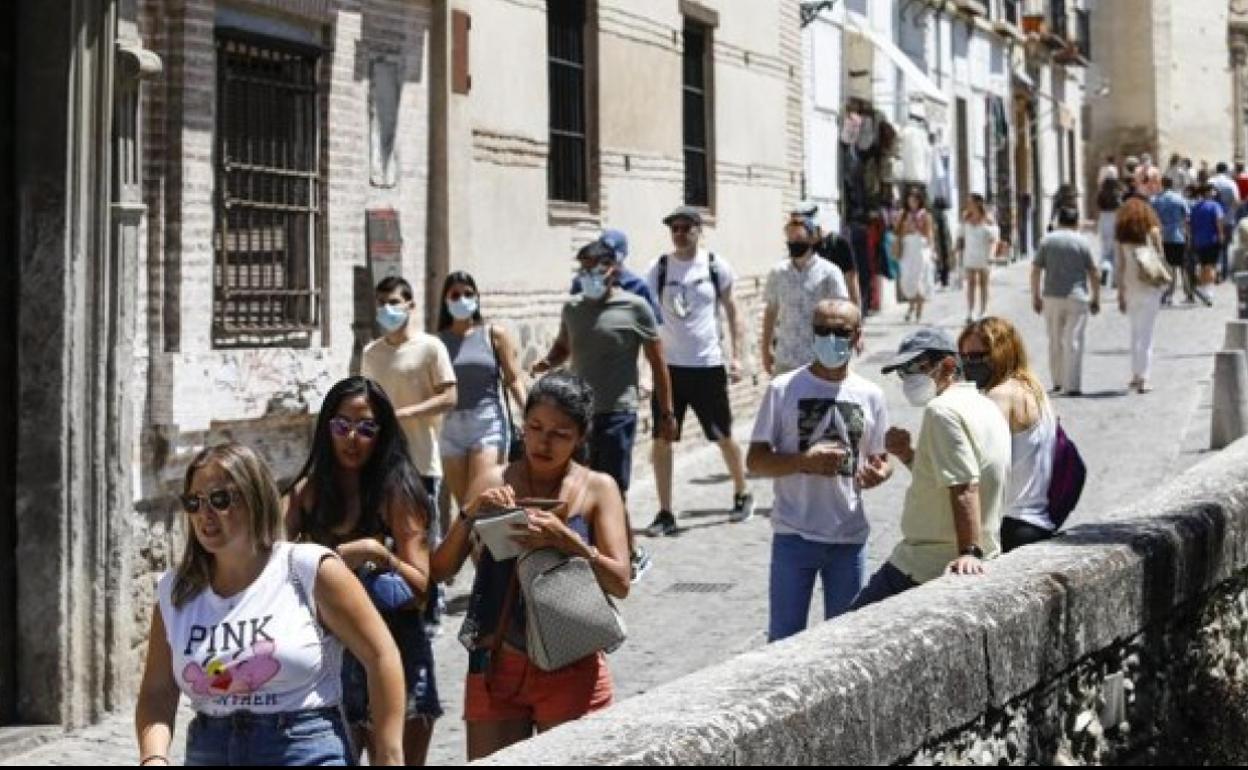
(568, 508)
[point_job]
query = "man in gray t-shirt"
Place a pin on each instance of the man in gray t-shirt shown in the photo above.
(1072, 290)
(601, 330)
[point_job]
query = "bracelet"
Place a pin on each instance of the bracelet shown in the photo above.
(150, 757)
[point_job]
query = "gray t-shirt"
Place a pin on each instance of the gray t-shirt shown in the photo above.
(1065, 257)
(604, 338)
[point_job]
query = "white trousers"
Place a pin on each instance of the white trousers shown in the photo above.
(1067, 320)
(1143, 307)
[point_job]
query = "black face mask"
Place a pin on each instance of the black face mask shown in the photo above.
(798, 249)
(978, 372)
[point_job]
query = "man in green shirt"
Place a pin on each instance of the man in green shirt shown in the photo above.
(951, 520)
(601, 330)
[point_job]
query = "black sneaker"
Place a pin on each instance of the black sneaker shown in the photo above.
(640, 562)
(663, 524)
(742, 508)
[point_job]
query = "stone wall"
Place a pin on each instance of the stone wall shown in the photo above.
(1117, 642)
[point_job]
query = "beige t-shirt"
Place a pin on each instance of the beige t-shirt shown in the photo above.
(964, 440)
(411, 373)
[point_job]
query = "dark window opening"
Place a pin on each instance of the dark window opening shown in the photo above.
(268, 189)
(569, 150)
(696, 95)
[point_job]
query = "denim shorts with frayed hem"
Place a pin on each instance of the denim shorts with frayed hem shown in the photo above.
(289, 738)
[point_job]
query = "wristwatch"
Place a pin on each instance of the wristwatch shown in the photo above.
(972, 550)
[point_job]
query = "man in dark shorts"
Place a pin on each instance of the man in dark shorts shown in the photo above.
(1206, 227)
(691, 284)
(1173, 212)
(601, 330)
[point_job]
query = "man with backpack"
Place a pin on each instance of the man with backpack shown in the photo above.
(691, 284)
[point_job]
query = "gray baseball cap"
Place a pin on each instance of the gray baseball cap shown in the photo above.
(928, 339)
(684, 212)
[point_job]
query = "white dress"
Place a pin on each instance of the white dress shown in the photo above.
(917, 281)
(977, 240)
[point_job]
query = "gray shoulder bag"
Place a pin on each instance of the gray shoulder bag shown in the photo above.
(567, 614)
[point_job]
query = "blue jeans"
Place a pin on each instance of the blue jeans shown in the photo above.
(887, 581)
(611, 446)
(311, 737)
(795, 562)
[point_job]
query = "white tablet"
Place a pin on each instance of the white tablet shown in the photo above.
(497, 531)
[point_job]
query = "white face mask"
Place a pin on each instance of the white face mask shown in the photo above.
(919, 389)
(463, 308)
(391, 318)
(594, 284)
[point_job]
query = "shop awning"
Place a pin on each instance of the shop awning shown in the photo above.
(917, 80)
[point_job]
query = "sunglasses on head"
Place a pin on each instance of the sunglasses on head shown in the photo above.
(840, 331)
(342, 427)
(218, 499)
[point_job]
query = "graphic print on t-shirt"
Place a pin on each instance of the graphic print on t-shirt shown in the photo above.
(238, 659)
(828, 420)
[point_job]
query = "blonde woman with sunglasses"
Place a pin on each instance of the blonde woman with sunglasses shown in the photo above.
(252, 629)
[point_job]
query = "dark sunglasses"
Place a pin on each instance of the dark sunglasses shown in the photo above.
(342, 427)
(920, 365)
(679, 229)
(455, 296)
(974, 358)
(218, 499)
(839, 331)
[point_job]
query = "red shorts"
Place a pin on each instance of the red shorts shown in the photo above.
(521, 690)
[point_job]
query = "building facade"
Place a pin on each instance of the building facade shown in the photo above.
(242, 172)
(1169, 79)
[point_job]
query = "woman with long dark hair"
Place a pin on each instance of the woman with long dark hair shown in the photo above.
(507, 697)
(475, 436)
(359, 494)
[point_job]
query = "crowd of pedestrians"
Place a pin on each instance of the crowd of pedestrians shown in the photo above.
(299, 622)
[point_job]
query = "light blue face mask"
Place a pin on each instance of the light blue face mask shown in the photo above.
(463, 308)
(832, 351)
(594, 283)
(391, 318)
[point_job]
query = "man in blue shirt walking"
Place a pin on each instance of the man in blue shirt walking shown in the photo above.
(1173, 212)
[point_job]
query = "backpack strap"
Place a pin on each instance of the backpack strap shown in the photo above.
(714, 273)
(661, 280)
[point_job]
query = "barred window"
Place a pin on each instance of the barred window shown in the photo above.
(696, 95)
(569, 152)
(266, 240)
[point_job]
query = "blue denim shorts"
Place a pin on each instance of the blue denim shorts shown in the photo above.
(421, 687)
(310, 737)
(467, 430)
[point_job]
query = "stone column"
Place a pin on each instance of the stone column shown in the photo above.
(1239, 62)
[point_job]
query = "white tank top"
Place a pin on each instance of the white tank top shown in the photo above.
(261, 650)
(1031, 471)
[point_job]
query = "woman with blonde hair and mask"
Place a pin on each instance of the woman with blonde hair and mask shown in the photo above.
(251, 630)
(995, 359)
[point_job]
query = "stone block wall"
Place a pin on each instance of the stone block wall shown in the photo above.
(1114, 643)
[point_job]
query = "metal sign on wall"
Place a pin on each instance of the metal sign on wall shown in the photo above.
(385, 243)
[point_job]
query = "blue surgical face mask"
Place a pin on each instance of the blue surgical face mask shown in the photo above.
(463, 308)
(594, 283)
(832, 351)
(391, 318)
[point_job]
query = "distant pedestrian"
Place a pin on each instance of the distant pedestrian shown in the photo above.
(820, 436)
(977, 242)
(1108, 200)
(1228, 197)
(1208, 220)
(832, 247)
(1107, 172)
(1173, 212)
(1142, 282)
(793, 288)
(1071, 292)
(915, 239)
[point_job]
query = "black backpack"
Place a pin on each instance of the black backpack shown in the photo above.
(661, 283)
